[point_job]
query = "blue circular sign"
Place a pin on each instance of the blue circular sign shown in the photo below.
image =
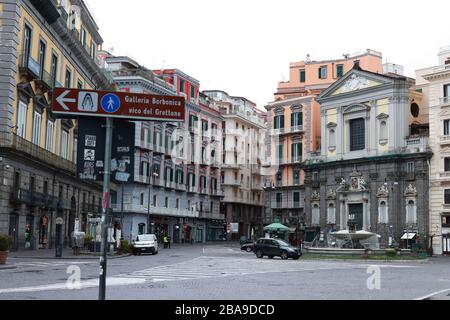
(110, 103)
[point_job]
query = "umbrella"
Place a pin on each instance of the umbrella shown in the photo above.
(276, 227)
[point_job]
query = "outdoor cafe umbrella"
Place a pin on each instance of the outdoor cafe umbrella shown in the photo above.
(276, 227)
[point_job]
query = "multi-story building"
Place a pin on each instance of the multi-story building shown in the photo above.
(243, 152)
(435, 84)
(177, 165)
(372, 173)
(44, 44)
(294, 131)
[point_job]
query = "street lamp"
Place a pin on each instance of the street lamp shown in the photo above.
(154, 174)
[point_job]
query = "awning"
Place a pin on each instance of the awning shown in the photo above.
(408, 236)
(292, 230)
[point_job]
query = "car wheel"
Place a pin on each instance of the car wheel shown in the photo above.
(156, 252)
(284, 255)
(248, 249)
(270, 257)
(259, 254)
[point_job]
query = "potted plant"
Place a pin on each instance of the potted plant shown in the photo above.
(4, 248)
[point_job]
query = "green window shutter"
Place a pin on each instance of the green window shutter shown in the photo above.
(296, 196)
(176, 176)
(293, 150)
(300, 118)
(302, 76)
(320, 75)
(292, 119)
(275, 122)
(300, 150)
(282, 121)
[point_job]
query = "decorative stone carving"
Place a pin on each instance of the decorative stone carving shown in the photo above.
(331, 194)
(382, 116)
(331, 125)
(383, 192)
(355, 82)
(357, 182)
(411, 191)
(315, 195)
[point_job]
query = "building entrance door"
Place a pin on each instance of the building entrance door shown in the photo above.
(355, 213)
(13, 226)
(446, 243)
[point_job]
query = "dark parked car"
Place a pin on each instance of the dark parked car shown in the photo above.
(275, 248)
(248, 246)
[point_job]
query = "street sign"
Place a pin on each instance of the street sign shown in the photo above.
(80, 102)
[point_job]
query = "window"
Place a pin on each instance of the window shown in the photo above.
(339, 70)
(64, 143)
(26, 43)
(410, 167)
(42, 49)
(80, 84)
(93, 50)
(383, 212)
(141, 228)
(145, 169)
(182, 83)
(411, 216)
(192, 92)
(447, 196)
(302, 75)
(296, 177)
(296, 119)
(332, 139)
(278, 122)
(323, 72)
(315, 219)
(191, 180)
(446, 164)
(446, 127)
(296, 152)
(414, 110)
(296, 197)
(36, 128)
(193, 119)
(68, 80)
(166, 202)
(142, 199)
(155, 198)
(177, 203)
(383, 132)
(54, 69)
(331, 214)
(279, 198)
(445, 221)
(204, 126)
(357, 134)
(446, 90)
(49, 136)
(156, 169)
(83, 37)
(315, 176)
(21, 119)
(280, 152)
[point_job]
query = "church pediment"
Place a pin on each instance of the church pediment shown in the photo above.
(353, 81)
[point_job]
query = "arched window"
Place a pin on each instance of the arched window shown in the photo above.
(315, 215)
(383, 132)
(411, 212)
(331, 214)
(383, 212)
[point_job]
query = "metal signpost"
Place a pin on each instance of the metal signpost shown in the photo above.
(68, 103)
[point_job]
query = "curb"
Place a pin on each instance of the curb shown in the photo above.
(369, 260)
(81, 257)
(8, 267)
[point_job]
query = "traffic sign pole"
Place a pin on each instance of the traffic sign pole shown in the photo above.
(105, 208)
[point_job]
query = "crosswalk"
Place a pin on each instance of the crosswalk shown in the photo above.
(51, 264)
(214, 267)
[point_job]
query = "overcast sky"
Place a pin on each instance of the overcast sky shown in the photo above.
(244, 47)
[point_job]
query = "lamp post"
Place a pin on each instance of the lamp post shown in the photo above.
(154, 174)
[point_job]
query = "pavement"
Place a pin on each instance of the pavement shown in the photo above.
(221, 271)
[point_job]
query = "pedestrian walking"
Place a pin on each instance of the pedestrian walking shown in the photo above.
(165, 240)
(168, 241)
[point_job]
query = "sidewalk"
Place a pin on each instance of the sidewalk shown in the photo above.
(66, 254)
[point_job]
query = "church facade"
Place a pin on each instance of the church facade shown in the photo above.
(372, 170)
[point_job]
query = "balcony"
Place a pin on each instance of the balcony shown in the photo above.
(444, 140)
(257, 187)
(192, 189)
(417, 144)
(444, 175)
(28, 67)
(180, 186)
(158, 149)
(47, 8)
(234, 166)
(289, 130)
(146, 145)
(288, 205)
(204, 191)
(169, 185)
(34, 152)
(21, 196)
(444, 102)
(157, 182)
(446, 206)
(173, 212)
(233, 183)
(217, 193)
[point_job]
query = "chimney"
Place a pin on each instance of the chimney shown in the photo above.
(356, 65)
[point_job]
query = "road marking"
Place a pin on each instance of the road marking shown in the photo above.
(432, 294)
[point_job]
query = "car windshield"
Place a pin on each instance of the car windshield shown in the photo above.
(145, 237)
(283, 243)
